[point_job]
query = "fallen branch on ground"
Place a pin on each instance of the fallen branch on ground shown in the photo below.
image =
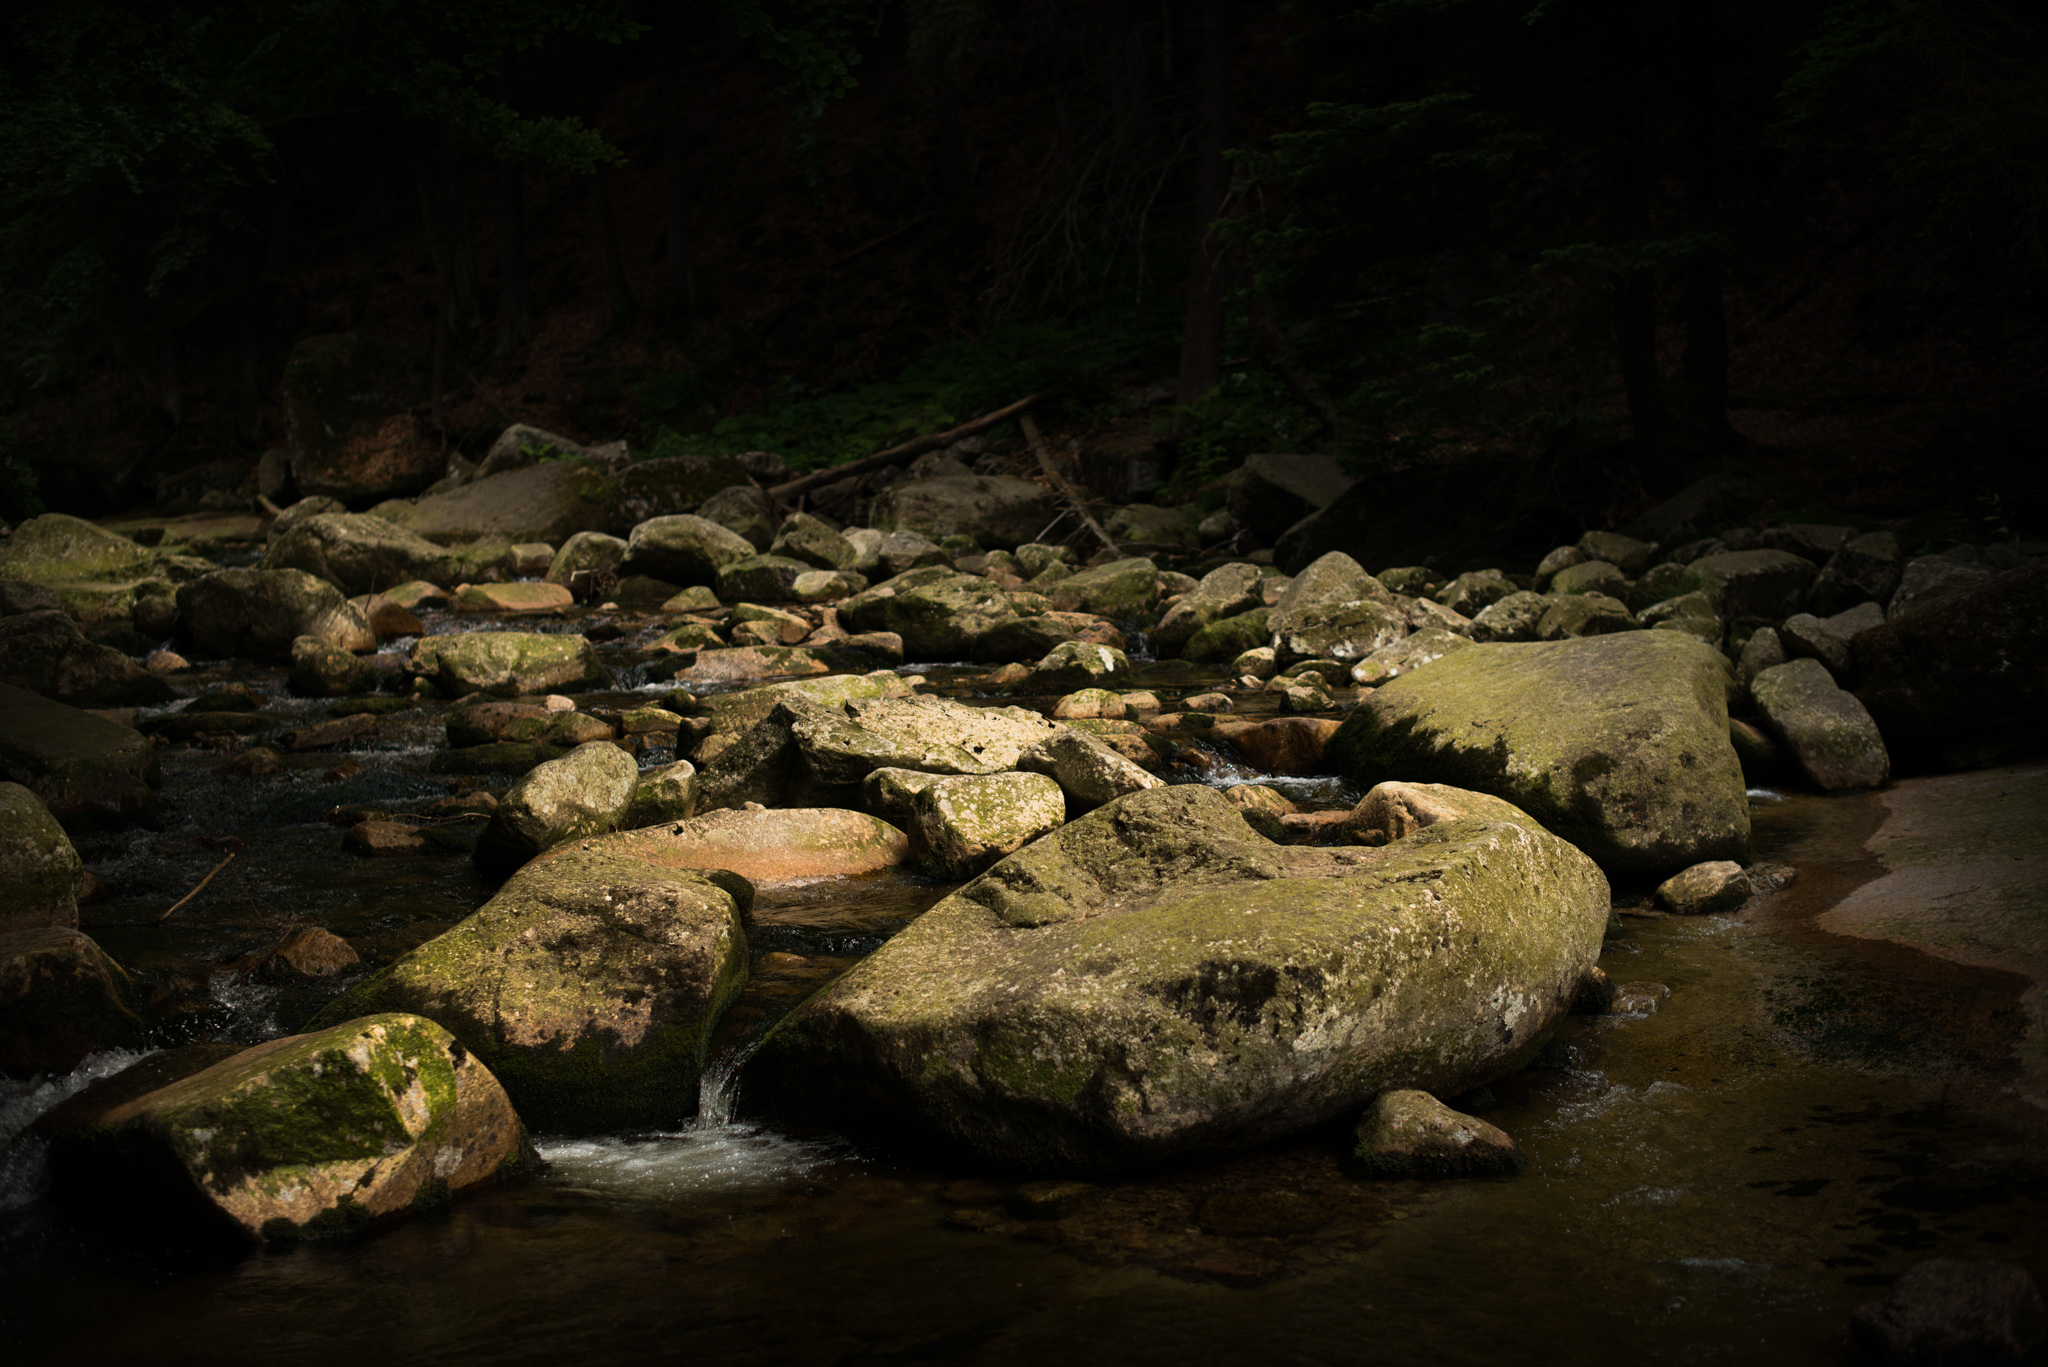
(199, 889)
(918, 446)
(1059, 483)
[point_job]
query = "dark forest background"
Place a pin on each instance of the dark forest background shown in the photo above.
(1592, 247)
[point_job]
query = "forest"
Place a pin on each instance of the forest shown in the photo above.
(1560, 256)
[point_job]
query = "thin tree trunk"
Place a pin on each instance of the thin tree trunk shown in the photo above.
(1201, 353)
(675, 201)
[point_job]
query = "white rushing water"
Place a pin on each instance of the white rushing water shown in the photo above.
(21, 1160)
(710, 1153)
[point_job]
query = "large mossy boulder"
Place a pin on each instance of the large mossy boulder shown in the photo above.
(550, 501)
(61, 998)
(1223, 592)
(1157, 979)
(1827, 731)
(508, 663)
(590, 985)
(360, 554)
(965, 823)
(39, 870)
(98, 575)
(46, 653)
(90, 772)
(260, 612)
(683, 549)
(1617, 743)
(993, 509)
(1125, 590)
(669, 486)
(306, 1136)
(941, 615)
(347, 409)
(585, 792)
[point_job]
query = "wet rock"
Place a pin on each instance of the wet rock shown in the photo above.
(40, 873)
(1516, 617)
(1090, 702)
(761, 846)
(1156, 978)
(964, 824)
(745, 663)
(1640, 999)
(508, 663)
(1866, 569)
(1583, 614)
(587, 552)
(770, 578)
(939, 614)
(1285, 745)
(512, 598)
(1827, 731)
(1226, 591)
(1273, 492)
(1124, 590)
(1595, 993)
(993, 509)
(188, 727)
(90, 773)
(662, 796)
(589, 985)
(1718, 885)
(261, 612)
(311, 952)
(321, 669)
(1087, 771)
(46, 653)
(1639, 772)
(1474, 591)
(1966, 679)
(1408, 1134)
(359, 553)
(744, 509)
(325, 735)
(1764, 584)
(98, 575)
(1626, 553)
(1948, 1311)
(61, 998)
(1075, 665)
(583, 793)
(377, 838)
(303, 1137)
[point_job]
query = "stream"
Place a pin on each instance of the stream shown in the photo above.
(1719, 1180)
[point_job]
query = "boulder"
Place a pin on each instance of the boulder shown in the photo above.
(98, 575)
(827, 586)
(743, 664)
(993, 509)
(809, 539)
(61, 998)
(351, 432)
(1617, 743)
(1407, 1134)
(1148, 524)
(1562, 558)
(527, 723)
(1764, 649)
(1966, 679)
(321, 669)
(89, 772)
(1271, 493)
(359, 554)
(745, 510)
(964, 824)
(1475, 591)
(1409, 653)
(40, 873)
(1764, 584)
(759, 846)
(512, 599)
(1516, 617)
(1718, 885)
(1691, 613)
(1583, 614)
(1337, 631)
(941, 615)
(259, 612)
(1951, 1311)
(897, 552)
(590, 985)
(1660, 582)
(550, 501)
(766, 578)
(1089, 703)
(18, 597)
(662, 797)
(588, 552)
(1229, 637)
(683, 549)
(1157, 979)
(1805, 635)
(1588, 576)
(1865, 569)
(1075, 665)
(1124, 590)
(1032, 638)
(1088, 772)
(1826, 730)
(1223, 592)
(508, 663)
(521, 445)
(1284, 745)
(585, 792)
(46, 653)
(1930, 578)
(672, 485)
(1626, 553)
(302, 1137)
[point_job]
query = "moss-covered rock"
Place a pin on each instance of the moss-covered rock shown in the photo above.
(589, 985)
(61, 998)
(306, 1136)
(530, 723)
(760, 846)
(1588, 576)
(803, 537)
(1585, 613)
(1347, 631)
(1079, 665)
(97, 574)
(1717, 885)
(321, 669)
(261, 612)
(1408, 1134)
(940, 614)
(1034, 637)
(769, 578)
(39, 870)
(1617, 743)
(683, 549)
(583, 793)
(1409, 653)
(671, 486)
(586, 551)
(1126, 590)
(1827, 731)
(88, 771)
(508, 663)
(1226, 591)
(1514, 618)
(965, 823)
(935, 735)
(46, 653)
(1088, 771)
(744, 664)
(1156, 979)
(1229, 638)
(662, 797)
(993, 509)
(358, 553)
(1474, 591)
(550, 501)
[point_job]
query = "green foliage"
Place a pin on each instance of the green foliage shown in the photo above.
(19, 499)
(812, 426)
(1252, 410)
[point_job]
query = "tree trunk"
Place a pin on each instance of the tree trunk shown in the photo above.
(675, 203)
(1201, 352)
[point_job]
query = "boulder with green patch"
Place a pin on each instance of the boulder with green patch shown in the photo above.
(1828, 733)
(590, 985)
(302, 1137)
(1126, 590)
(1617, 743)
(1076, 664)
(1408, 1134)
(965, 823)
(585, 792)
(1224, 592)
(1156, 979)
(360, 554)
(940, 614)
(508, 663)
(98, 575)
(40, 872)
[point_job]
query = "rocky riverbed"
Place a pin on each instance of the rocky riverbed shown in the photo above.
(764, 893)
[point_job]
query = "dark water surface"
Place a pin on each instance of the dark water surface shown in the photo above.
(1721, 1181)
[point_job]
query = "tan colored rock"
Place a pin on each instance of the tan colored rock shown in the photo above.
(760, 846)
(1285, 745)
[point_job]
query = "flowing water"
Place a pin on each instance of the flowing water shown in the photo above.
(1720, 1180)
